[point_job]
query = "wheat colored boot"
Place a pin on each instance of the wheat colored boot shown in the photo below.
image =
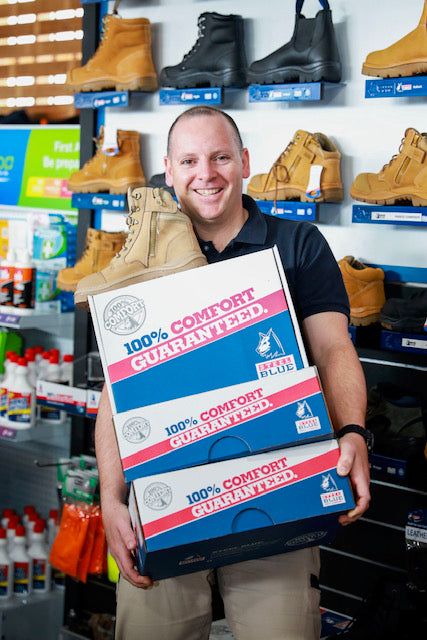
(101, 247)
(161, 241)
(365, 290)
(111, 173)
(122, 61)
(307, 170)
(403, 178)
(406, 57)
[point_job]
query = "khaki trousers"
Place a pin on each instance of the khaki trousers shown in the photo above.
(267, 599)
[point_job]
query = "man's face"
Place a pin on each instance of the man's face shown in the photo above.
(206, 168)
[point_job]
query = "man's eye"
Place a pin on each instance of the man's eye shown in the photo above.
(187, 161)
(222, 158)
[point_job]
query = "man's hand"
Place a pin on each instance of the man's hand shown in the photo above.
(353, 462)
(122, 543)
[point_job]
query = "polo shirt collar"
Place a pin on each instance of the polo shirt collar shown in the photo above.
(254, 231)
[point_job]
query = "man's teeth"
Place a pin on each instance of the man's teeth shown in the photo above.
(207, 192)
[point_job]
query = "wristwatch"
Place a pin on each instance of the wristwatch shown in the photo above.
(367, 435)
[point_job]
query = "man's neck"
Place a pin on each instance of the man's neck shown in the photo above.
(220, 234)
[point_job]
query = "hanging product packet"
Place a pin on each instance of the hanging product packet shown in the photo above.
(77, 547)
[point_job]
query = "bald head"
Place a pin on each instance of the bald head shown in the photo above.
(195, 112)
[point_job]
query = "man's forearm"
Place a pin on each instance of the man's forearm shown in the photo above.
(113, 485)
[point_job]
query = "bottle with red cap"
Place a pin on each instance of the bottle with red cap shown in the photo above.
(11, 366)
(6, 568)
(5, 517)
(21, 411)
(67, 368)
(11, 531)
(30, 354)
(29, 508)
(22, 566)
(52, 415)
(39, 557)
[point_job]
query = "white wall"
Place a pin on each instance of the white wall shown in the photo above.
(366, 131)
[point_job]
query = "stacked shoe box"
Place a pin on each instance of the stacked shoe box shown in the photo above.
(210, 388)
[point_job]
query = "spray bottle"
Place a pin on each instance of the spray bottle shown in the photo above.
(23, 281)
(7, 267)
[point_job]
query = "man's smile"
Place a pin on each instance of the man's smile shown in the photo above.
(208, 192)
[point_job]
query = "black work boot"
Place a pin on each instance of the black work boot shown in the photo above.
(217, 59)
(310, 56)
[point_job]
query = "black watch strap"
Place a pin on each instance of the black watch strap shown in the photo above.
(356, 428)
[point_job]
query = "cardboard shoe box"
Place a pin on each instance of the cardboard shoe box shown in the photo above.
(234, 421)
(190, 332)
(236, 510)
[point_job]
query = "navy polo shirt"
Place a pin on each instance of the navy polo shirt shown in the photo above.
(313, 275)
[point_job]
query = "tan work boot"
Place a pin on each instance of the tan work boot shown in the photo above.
(307, 170)
(406, 57)
(403, 178)
(161, 241)
(101, 247)
(122, 60)
(365, 290)
(111, 173)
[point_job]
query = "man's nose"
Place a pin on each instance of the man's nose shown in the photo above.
(205, 169)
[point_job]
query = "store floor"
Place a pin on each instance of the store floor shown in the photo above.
(220, 631)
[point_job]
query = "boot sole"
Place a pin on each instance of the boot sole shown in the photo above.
(399, 70)
(107, 187)
(409, 325)
(327, 195)
(365, 320)
(389, 198)
(116, 84)
(80, 297)
(315, 72)
(194, 79)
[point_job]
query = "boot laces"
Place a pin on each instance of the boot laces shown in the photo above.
(200, 35)
(104, 31)
(279, 166)
(396, 155)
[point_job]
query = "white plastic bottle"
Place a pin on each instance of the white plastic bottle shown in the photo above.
(11, 364)
(31, 366)
(6, 568)
(50, 415)
(52, 526)
(39, 554)
(29, 508)
(21, 411)
(29, 526)
(67, 369)
(24, 282)
(6, 516)
(7, 269)
(11, 532)
(22, 566)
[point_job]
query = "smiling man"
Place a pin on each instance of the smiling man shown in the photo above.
(275, 597)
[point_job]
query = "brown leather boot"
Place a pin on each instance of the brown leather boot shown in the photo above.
(161, 241)
(122, 60)
(111, 173)
(365, 290)
(403, 178)
(101, 247)
(307, 170)
(406, 57)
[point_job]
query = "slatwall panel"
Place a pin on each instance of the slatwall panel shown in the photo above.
(22, 482)
(40, 40)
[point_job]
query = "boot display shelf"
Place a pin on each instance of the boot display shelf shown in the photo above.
(113, 202)
(396, 87)
(290, 92)
(389, 214)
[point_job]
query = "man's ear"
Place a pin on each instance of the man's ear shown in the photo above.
(246, 170)
(168, 173)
